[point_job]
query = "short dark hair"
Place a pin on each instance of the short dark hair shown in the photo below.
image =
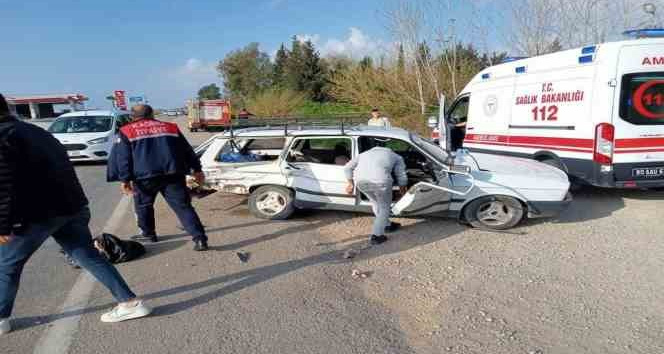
(375, 109)
(142, 111)
(4, 106)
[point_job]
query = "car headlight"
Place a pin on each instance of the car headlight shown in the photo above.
(98, 141)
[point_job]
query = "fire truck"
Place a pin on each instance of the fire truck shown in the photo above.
(208, 115)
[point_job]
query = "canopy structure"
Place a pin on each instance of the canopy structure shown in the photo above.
(41, 106)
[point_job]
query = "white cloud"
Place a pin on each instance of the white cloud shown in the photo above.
(356, 45)
(314, 38)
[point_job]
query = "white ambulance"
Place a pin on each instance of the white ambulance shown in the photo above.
(595, 112)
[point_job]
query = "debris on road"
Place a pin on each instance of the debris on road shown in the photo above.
(243, 256)
(350, 253)
(356, 274)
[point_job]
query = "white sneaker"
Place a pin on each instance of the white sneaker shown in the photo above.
(5, 327)
(126, 312)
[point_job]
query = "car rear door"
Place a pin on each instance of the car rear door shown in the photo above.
(312, 172)
(638, 112)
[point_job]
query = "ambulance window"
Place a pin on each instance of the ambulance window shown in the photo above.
(642, 98)
(459, 112)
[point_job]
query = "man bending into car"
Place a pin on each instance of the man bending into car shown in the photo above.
(371, 172)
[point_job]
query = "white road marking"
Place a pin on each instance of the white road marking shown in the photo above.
(58, 338)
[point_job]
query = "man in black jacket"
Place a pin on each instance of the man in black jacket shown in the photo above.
(152, 157)
(41, 196)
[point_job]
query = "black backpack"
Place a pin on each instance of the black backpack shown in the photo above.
(116, 250)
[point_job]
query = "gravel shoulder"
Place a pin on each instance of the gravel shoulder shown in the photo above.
(588, 282)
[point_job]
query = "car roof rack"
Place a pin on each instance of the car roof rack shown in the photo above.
(296, 124)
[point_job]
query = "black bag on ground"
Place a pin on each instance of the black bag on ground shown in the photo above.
(116, 250)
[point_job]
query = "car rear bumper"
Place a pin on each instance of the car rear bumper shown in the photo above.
(547, 209)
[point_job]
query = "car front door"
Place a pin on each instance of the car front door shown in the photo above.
(427, 194)
(314, 168)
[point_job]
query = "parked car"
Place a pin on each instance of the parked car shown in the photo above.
(172, 113)
(88, 135)
(282, 170)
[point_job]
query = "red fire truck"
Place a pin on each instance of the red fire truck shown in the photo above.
(209, 114)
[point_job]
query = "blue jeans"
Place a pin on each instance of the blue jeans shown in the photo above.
(174, 189)
(73, 235)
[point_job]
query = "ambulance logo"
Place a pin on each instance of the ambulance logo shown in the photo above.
(490, 105)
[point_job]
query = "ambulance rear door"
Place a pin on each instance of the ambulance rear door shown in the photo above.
(638, 113)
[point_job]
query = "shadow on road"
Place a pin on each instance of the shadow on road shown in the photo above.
(416, 236)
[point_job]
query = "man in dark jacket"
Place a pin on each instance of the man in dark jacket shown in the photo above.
(152, 157)
(40, 196)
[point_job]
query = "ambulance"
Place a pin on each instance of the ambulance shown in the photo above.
(595, 112)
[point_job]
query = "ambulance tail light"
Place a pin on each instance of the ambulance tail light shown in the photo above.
(604, 134)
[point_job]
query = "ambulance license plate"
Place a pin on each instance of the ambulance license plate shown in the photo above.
(648, 172)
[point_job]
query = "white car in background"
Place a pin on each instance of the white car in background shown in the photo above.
(282, 170)
(88, 135)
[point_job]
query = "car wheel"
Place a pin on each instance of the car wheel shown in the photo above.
(271, 202)
(494, 212)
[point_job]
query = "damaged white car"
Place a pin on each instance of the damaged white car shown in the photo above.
(283, 170)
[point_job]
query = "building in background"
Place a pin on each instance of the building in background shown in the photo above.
(45, 106)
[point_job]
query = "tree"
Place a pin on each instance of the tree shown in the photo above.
(280, 66)
(209, 92)
(366, 63)
(401, 61)
(276, 103)
(246, 72)
(313, 77)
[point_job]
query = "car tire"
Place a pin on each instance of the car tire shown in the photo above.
(494, 212)
(272, 203)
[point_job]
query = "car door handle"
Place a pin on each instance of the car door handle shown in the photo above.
(425, 190)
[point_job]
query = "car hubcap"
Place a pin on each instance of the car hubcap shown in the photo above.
(495, 213)
(271, 203)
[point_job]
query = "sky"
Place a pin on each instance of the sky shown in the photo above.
(164, 49)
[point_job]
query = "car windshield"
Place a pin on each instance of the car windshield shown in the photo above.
(86, 124)
(432, 149)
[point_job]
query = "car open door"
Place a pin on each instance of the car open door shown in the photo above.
(422, 199)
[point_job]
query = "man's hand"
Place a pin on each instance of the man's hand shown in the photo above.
(4, 239)
(350, 187)
(127, 188)
(403, 190)
(199, 177)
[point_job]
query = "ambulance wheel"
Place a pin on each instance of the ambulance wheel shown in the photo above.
(494, 212)
(554, 163)
(271, 202)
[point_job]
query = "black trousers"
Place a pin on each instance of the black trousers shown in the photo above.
(174, 190)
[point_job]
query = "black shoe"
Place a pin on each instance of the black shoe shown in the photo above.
(200, 246)
(393, 226)
(377, 240)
